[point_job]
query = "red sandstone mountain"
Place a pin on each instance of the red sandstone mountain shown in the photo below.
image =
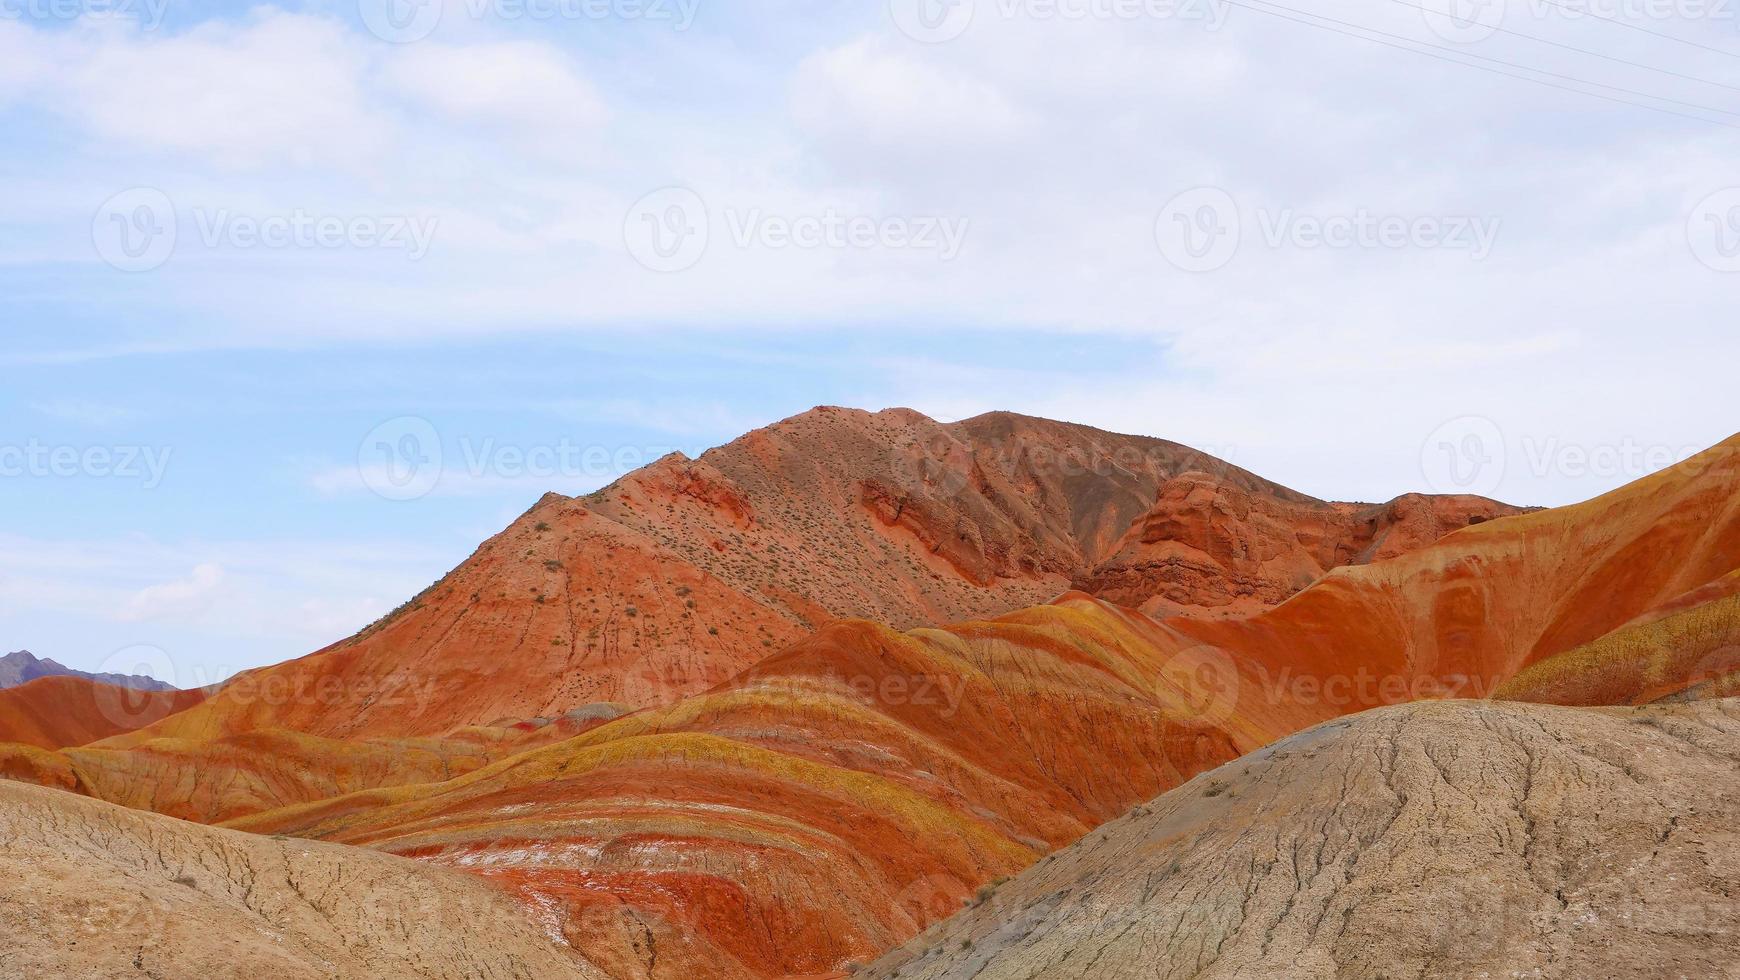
(817, 800)
(1208, 546)
(834, 798)
(684, 573)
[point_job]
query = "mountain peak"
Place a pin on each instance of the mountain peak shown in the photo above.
(22, 666)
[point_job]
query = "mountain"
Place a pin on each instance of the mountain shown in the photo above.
(61, 710)
(1210, 547)
(21, 667)
(842, 790)
(811, 798)
(1429, 840)
(684, 573)
(1469, 612)
(819, 808)
(94, 890)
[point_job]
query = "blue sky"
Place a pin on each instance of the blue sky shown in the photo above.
(239, 239)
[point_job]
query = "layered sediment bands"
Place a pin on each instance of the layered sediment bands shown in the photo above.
(685, 572)
(95, 891)
(1208, 546)
(822, 807)
(1465, 614)
(214, 780)
(56, 711)
(1448, 840)
(1687, 650)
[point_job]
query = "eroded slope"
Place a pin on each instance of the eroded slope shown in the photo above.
(1447, 840)
(95, 891)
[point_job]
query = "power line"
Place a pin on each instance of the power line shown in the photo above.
(1616, 22)
(1571, 47)
(1495, 71)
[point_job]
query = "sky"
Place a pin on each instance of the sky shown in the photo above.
(303, 301)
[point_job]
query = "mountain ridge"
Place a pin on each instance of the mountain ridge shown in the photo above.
(21, 667)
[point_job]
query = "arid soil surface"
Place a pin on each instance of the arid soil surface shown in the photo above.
(95, 891)
(1446, 840)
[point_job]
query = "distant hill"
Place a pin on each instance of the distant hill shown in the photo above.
(22, 667)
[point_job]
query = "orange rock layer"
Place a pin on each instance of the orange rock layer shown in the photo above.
(53, 712)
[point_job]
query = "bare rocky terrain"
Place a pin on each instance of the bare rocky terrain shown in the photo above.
(22, 667)
(93, 891)
(1449, 839)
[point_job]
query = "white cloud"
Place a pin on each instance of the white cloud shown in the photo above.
(274, 88)
(214, 607)
(523, 87)
(182, 598)
(878, 93)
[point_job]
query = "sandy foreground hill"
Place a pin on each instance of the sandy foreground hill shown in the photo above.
(1452, 840)
(95, 891)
